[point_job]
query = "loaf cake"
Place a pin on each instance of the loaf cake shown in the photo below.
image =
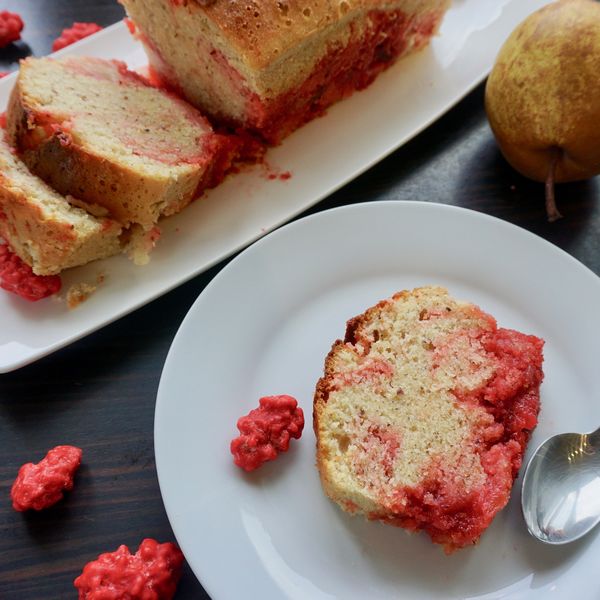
(423, 414)
(96, 131)
(43, 228)
(269, 67)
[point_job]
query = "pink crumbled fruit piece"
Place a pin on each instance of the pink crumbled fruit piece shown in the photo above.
(11, 26)
(17, 277)
(152, 573)
(73, 34)
(43, 484)
(266, 431)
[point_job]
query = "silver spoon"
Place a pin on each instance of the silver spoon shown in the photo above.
(561, 488)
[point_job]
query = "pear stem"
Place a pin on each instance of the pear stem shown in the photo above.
(551, 209)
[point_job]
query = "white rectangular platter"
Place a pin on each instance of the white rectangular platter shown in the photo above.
(321, 156)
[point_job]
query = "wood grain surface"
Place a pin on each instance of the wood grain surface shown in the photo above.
(99, 393)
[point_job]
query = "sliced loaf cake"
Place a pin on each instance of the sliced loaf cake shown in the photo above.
(94, 130)
(269, 67)
(423, 415)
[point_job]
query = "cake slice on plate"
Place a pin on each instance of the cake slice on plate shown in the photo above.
(423, 414)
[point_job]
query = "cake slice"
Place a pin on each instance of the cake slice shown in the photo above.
(94, 130)
(269, 67)
(423, 415)
(43, 228)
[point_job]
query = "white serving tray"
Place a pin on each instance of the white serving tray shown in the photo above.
(322, 156)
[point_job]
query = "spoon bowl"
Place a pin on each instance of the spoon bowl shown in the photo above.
(561, 488)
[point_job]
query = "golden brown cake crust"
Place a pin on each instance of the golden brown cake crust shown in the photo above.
(264, 31)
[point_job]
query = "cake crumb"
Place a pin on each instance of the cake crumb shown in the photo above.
(271, 172)
(78, 293)
(141, 245)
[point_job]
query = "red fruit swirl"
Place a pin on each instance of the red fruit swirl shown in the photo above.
(73, 34)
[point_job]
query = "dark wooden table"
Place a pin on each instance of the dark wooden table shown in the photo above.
(99, 393)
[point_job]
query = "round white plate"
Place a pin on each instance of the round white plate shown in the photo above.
(264, 325)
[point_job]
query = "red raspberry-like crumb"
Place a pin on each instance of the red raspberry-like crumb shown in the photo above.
(130, 25)
(73, 34)
(11, 26)
(152, 573)
(18, 278)
(4, 74)
(41, 485)
(266, 431)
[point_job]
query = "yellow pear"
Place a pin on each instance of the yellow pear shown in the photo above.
(543, 95)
